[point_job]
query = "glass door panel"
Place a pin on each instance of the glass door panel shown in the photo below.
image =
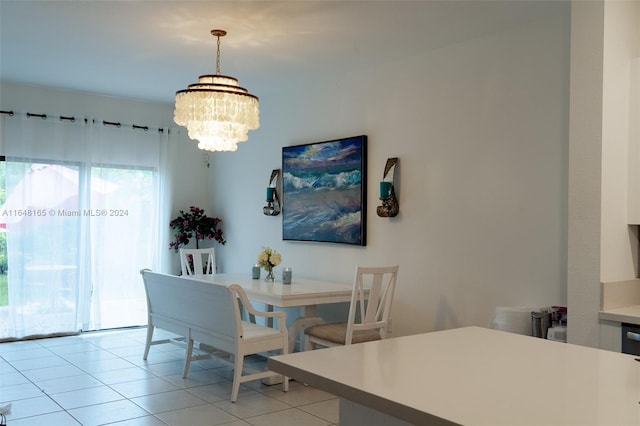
(123, 203)
(41, 221)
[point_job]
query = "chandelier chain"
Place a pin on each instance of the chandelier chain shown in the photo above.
(218, 58)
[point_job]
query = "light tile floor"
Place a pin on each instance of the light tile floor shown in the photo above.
(100, 378)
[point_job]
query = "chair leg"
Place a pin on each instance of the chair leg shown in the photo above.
(237, 374)
(187, 356)
(149, 339)
(308, 345)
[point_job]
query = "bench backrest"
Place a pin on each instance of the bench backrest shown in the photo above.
(204, 306)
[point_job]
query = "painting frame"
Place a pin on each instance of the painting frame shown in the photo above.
(324, 191)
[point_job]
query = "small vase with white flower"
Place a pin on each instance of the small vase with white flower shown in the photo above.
(268, 258)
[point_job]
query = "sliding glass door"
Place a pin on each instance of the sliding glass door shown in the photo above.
(74, 234)
(76, 238)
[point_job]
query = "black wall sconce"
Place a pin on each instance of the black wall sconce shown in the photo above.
(273, 202)
(389, 207)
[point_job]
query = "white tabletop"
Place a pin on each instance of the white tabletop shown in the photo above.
(301, 291)
(477, 376)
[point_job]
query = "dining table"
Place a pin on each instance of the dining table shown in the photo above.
(303, 293)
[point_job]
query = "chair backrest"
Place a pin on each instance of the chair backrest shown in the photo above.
(371, 312)
(191, 261)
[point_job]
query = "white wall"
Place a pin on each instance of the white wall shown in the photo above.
(584, 172)
(481, 132)
(480, 129)
(44, 100)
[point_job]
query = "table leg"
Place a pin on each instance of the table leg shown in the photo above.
(309, 318)
(270, 381)
(269, 308)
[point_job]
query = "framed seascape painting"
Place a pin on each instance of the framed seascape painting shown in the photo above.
(324, 191)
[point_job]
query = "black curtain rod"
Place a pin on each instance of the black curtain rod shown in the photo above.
(111, 123)
(72, 119)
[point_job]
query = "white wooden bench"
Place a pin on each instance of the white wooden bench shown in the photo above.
(211, 315)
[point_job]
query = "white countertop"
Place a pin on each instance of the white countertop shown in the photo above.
(477, 376)
(629, 314)
(620, 301)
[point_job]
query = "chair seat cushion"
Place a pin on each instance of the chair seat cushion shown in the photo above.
(337, 332)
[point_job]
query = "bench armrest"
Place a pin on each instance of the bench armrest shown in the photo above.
(240, 293)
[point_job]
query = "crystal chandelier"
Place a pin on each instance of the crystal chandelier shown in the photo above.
(217, 112)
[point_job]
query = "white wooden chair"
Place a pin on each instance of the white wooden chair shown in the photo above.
(369, 317)
(191, 261)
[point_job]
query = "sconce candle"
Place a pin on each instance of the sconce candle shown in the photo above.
(273, 202)
(389, 207)
(270, 192)
(385, 189)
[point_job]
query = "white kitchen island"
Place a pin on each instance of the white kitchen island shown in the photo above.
(472, 376)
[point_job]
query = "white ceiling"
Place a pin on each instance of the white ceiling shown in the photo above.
(150, 49)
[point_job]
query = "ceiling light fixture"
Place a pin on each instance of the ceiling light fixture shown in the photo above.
(217, 112)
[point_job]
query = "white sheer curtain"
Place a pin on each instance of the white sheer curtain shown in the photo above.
(126, 239)
(81, 217)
